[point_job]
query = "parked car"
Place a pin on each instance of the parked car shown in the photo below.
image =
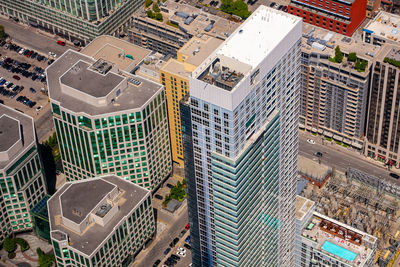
(38, 108)
(17, 77)
(318, 154)
(167, 251)
(187, 227)
(156, 263)
(394, 175)
(32, 90)
(170, 185)
(158, 197)
(187, 246)
(182, 233)
(62, 43)
(310, 141)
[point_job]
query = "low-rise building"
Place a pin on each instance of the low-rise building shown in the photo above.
(22, 181)
(180, 23)
(104, 221)
(372, 7)
(384, 28)
(323, 241)
(107, 120)
(334, 96)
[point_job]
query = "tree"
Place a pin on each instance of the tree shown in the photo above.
(150, 14)
(338, 55)
(147, 3)
(2, 33)
(352, 57)
(45, 260)
(9, 245)
(159, 16)
(156, 8)
(238, 8)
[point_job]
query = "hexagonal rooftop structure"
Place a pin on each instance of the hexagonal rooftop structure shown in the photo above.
(9, 132)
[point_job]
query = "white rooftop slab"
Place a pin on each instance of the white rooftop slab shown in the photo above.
(258, 35)
(386, 25)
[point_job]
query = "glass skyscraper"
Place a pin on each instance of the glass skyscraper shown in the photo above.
(240, 128)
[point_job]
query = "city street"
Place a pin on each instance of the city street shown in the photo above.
(339, 157)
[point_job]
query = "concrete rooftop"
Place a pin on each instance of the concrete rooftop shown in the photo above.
(134, 96)
(386, 25)
(114, 50)
(79, 199)
(95, 234)
(9, 132)
(12, 135)
(303, 206)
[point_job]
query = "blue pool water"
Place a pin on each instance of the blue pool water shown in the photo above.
(339, 251)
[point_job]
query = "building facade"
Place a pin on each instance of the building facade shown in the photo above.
(174, 75)
(334, 96)
(22, 181)
(107, 120)
(243, 123)
(383, 128)
(80, 21)
(338, 16)
(104, 221)
(323, 241)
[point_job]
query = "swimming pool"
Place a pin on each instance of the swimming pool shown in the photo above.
(339, 251)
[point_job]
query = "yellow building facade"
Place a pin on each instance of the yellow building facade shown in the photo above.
(174, 75)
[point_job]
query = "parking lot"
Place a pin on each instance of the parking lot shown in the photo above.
(23, 79)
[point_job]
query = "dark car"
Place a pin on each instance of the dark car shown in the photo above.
(172, 260)
(187, 246)
(280, 7)
(17, 77)
(167, 251)
(182, 233)
(272, 4)
(158, 197)
(318, 154)
(156, 263)
(170, 185)
(175, 257)
(393, 175)
(284, 9)
(32, 90)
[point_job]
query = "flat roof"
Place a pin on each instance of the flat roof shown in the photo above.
(79, 199)
(346, 44)
(116, 50)
(319, 229)
(28, 133)
(198, 49)
(95, 234)
(312, 168)
(221, 28)
(134, 96)
(303, 206)
(258, 36)
(385, 25)
(82, 78)
(9, 132)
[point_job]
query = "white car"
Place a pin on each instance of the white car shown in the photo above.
(182, 250)
(39, 108)
(310, 141)
(180, 253)
(21, 51)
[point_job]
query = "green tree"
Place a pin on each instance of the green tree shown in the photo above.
(338, 55)
(238, 8)
(45, 260)
(159, 16)
(150, 14)
(22, 243)
(352, 57)
(9, 245)
(2, 33)
(147, 3)
(156, 8)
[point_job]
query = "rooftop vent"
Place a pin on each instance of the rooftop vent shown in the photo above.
(103, 210)
(101, 66)
(134, 81)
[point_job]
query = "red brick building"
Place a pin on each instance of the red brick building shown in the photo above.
(342, 16)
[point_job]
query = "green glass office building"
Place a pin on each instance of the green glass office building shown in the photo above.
(73, 20)
(108, 121)
(22, 182)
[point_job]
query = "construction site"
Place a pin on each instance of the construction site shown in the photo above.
(364, 202)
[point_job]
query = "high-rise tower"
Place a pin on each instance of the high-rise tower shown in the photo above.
(240, 130)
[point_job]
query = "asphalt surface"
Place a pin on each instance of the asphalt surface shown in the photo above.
(31, 38)
(175, 224)
(341, 158)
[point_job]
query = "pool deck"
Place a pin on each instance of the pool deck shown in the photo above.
(320, 235)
